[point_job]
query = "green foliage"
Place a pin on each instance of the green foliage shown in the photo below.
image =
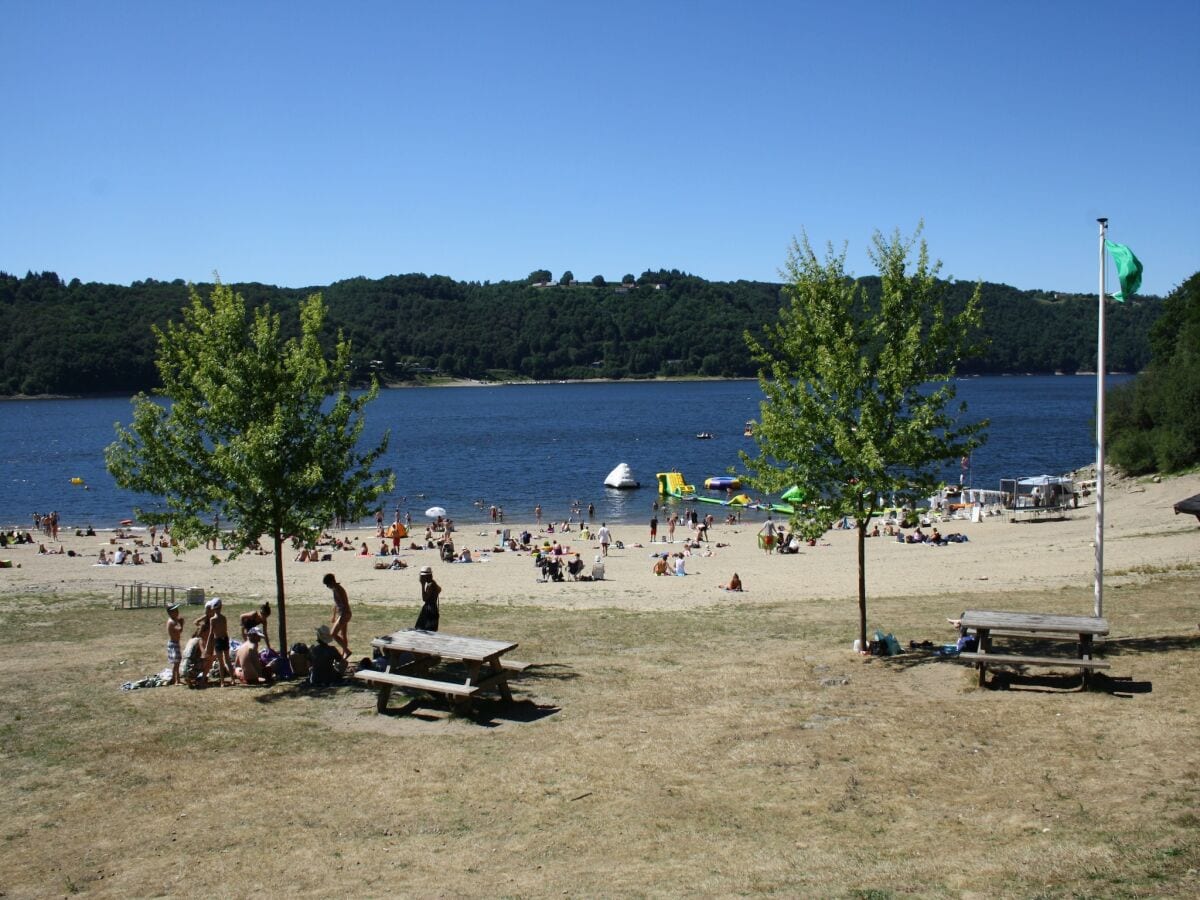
(1153, 423)
(249, 432)
(598, 281)
(77, 338)
(857, 387)
(566, 278)
(539, 276)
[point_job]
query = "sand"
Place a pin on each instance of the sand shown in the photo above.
(1143, 537)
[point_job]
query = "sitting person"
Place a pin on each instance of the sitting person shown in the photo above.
(735, 583)
(137, 558)
(679, 569)
(465, 555)
(156, 555)
(120, 556)
(364, 551)
(875, 531)
(326, 665)
(598, 568)
(448, 551)
(191, 670)
(575, 567)
(660, 566)
(248, 665)
(103, 560)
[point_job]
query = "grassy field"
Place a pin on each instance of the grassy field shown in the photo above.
(735, 750)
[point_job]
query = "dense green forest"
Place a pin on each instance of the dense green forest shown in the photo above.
(1153, 422)
(84, 338)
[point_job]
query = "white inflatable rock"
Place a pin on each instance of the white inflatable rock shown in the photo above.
(622, 478)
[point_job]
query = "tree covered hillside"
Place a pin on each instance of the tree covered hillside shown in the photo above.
(81, 338)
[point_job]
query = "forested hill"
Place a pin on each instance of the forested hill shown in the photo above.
(77, 338)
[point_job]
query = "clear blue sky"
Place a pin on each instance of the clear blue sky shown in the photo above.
(299, 143)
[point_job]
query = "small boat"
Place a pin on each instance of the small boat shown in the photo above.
(621, 478)
(748, 431)
(704, 435)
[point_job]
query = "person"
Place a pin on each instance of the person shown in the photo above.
(365, 551)
(875, 531)
(257, 617)
(598, 568)
(575, 567)
(103, 560)
(250, 669)
(702, 531)
(219, 637)
(212, 542)
(679, 569)
(735, 583)
(341, 614)
(591, 511)
(156, 554)
(605, 537)
(537, 514)
(427, 619)
(119, 556)
(653, 528)
(192, 671)
(325, 666)
(672, 521)
(174, 631)
(660, 565)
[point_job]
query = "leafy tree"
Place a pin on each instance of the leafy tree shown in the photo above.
(249, 431)
(539, 276)
(628, 279)
(598, 281)
(566, 278)
(1153, 422)
(856, 389)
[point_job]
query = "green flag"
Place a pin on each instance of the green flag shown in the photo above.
(1129, 269)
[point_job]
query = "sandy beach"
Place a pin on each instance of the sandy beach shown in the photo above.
(1143, 537)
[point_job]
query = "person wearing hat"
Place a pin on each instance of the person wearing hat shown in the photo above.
(174, 632)
(327, 664)
(248, 664)
(427, 619)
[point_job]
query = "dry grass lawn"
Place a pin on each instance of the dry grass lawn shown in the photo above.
(729, 750)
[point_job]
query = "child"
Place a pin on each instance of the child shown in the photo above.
(258, 618)
(174, 630)
(219, 636)
(194, 672)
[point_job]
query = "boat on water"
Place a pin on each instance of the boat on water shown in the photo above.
(748, 430)
(621, 478)
(704, 435)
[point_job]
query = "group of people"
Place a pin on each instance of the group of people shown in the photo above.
(121, 556)
(254, 660)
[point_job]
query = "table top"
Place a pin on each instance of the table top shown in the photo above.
(436, 643)
(1036, 622)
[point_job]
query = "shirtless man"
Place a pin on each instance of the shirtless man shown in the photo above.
(341, 614)
(174, 632)
(250, 669)
(219, 636)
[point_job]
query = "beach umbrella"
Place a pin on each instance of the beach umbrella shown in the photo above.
(435, 511)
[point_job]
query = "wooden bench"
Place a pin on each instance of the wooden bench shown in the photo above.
(389, 680)
(991, 660)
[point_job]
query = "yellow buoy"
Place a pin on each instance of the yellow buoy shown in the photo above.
(76, 480)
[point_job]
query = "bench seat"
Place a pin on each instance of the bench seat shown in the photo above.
(514, 665)
(428, 685)
(1007, 659)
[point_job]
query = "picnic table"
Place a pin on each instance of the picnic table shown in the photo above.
(412, 655)
(988, 624)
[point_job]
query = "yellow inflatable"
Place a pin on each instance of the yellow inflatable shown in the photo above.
(76, 480)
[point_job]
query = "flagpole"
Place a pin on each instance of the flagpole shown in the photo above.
(1099, 602)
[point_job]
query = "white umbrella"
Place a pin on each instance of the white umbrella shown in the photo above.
(435, 511)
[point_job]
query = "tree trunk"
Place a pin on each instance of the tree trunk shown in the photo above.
(283, 644)
(862, 580)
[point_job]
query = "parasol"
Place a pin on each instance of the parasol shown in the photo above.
(436, 511)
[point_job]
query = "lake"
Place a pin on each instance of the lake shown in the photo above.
(521, 445)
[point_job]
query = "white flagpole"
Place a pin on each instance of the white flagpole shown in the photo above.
(1099, 604)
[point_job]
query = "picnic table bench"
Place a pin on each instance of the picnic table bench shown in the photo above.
(412, 654)
(987, 624)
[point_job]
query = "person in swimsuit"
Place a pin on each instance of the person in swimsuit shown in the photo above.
(339, 630)
(219, 631)
(257, 618)
(428, 618)
(174, 631)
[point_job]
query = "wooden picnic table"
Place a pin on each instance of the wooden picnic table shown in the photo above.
(412, 655)
(993, 623)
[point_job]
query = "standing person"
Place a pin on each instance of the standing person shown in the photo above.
(537, 514)
(341, 614)
(672, 521)
(258, 618)
(219, 633)
(653, 528)
(591, 511)
(427, 619)
(379, 521)
(216, 530)
(605, 538)
(174, 632)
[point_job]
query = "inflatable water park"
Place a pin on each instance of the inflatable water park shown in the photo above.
(672, 484)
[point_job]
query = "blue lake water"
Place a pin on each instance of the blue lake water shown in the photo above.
(521, 445)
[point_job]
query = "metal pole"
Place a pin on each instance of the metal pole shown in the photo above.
(1099, 602)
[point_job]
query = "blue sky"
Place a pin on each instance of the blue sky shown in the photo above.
(299, 143)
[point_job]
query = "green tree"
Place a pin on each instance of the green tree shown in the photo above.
(566, 278)
(598, 281)
(628, 279)
(539, 276)
(249, 432)
(856, 388)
